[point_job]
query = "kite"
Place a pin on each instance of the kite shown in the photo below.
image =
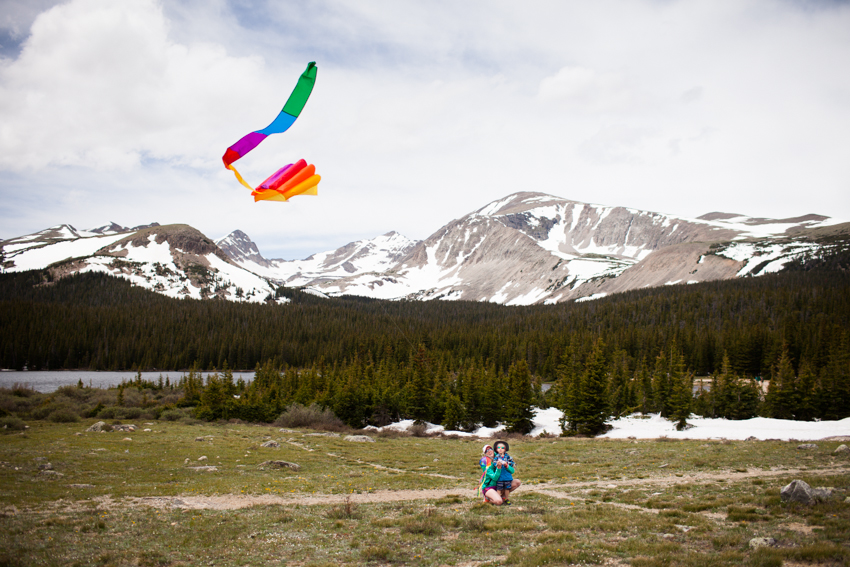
(294, 179)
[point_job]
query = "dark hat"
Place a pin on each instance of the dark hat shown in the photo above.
(505, 443)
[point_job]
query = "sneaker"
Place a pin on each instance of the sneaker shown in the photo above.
(506, 503)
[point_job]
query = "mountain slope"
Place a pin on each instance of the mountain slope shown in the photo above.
(360, 257)
(535, 248)
(175, 260)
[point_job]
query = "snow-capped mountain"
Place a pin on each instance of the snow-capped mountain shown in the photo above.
(356, 258)
(535, 248)
(175, 260)
(523, 249)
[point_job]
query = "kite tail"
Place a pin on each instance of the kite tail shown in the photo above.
(239, 177)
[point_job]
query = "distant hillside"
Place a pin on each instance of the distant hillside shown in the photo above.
(95, 321)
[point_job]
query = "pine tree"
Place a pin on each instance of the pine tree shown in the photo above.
(520, 397)
(782, 395)
(566, 389)
(592, 400)
(681, 394)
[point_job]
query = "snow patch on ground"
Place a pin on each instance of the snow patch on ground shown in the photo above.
(653, 426)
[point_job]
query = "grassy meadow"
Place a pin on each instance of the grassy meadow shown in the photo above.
(149, 498)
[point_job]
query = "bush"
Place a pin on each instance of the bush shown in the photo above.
(63, 415)
(172, 415)
(63, 410)
(11, 423)
(312, 417)
(418, 430)
(108, 413)
(131, 413)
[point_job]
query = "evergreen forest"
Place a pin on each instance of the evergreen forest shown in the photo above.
(706, 348)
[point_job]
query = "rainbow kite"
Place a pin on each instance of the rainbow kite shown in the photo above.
(294, 179)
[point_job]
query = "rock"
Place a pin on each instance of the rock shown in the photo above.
(359, 438)
(186, 461)
(147, 430)
(800, 491)
(124, 427)
(202, 458)
(280, 465)
(207, 468)
(126, 439)
(51, 474)
(80, 486)
(98, 427)
(320, 434)
(751, 438)
(271, 444)
(757, 542)
(842, 450)
(45, 467)
(807, 446)
(199, 439)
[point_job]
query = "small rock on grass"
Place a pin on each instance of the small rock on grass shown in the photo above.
(271, 444)
(359, 438)
(757, 542)
(807, 446)
(842, 450)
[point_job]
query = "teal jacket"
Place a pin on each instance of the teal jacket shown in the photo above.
(492, 474)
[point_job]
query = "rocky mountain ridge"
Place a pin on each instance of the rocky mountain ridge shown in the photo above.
(523, 249)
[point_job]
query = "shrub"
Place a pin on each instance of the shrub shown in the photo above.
(11, 423)
(376, 553)
(171, 415)
(108, 413)
(131, 413)
(61, 409)
(392, 433)
(313, 417)
(63, 415)
(418, 430)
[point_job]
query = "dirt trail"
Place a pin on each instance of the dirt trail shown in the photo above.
(233, 501)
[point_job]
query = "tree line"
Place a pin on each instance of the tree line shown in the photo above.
(704, 348)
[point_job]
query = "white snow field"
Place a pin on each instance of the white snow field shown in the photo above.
(653, 426)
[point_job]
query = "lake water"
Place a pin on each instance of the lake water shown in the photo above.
(50, 381)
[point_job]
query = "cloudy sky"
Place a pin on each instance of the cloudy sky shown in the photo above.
(423, 110)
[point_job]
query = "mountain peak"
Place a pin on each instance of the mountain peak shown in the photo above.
(240, 248)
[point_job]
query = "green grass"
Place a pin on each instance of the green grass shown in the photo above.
(604, 501)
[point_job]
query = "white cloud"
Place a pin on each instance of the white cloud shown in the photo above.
(588, 89)
(423, 111)
(99, 84)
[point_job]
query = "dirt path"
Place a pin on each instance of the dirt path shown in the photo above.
(233, 501)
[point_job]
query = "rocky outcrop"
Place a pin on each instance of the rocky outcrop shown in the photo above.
(800, 491)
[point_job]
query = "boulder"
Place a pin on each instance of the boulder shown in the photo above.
(800, 491)
(757, 542)
(123, 427)
(359, 438)
(98, 427)
(270, 444)
(279, 465)
(807, 446)
(45, 467)
(842, 450)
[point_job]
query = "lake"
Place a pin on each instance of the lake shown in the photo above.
(50, 381)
